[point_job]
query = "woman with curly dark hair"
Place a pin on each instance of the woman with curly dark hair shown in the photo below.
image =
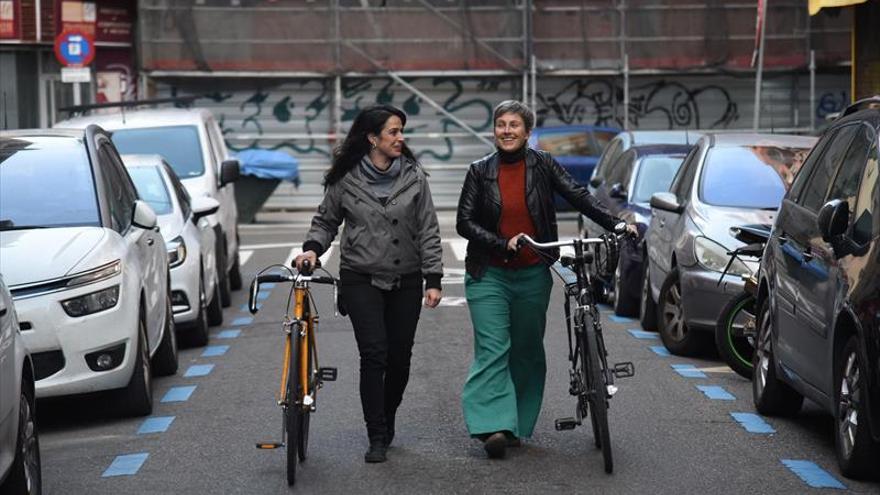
(390, 244)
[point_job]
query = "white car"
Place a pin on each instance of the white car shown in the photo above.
(191, 142)
(86, 266)
(19, 443)
(189, 239)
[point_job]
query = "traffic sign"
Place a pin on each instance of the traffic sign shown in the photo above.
(74, 48)
(76, 74)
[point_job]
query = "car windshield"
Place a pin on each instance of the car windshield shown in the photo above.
(567, 143)
(151, 188)
(749, 176)
(50, 186)
(179, 145)
(655, 175)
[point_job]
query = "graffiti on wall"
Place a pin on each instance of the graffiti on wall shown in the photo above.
(675, 106)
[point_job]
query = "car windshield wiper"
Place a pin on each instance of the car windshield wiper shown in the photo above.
(7, 224)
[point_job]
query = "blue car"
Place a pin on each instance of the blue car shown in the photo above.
(637, 174)
(576, 147)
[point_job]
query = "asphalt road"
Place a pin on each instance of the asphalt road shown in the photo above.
(668, 436)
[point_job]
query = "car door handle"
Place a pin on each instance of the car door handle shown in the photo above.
(807, 255)
(149, 241)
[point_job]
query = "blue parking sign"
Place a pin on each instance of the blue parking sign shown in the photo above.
(74, 48)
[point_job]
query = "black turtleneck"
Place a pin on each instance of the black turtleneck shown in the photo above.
(512, 157)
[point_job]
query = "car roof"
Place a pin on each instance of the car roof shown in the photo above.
(41, 138)
(661, 149)
(153, 117)
(760, 139)
(142, 160)
(685, 136)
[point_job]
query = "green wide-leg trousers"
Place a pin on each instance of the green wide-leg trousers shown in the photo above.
(505, 385)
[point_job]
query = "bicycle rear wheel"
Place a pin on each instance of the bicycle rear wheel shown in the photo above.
(293, 410)
(598, 399)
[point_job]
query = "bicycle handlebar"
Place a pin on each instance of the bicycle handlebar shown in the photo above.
(281, 278)
(525, 239)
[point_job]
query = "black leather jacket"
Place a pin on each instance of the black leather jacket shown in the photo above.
(479, 207)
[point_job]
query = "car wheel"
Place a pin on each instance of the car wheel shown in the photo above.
(235, 282)
(856, 451)
(771, 396)
(215, 307)
(647, 308)
(165, 359)
(625, 304)
(674, 331)
(24, 475)
(223, 279)
(137, 398)
(198, 335)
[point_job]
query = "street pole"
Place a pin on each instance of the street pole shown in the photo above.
(758, 79)
(77, 96)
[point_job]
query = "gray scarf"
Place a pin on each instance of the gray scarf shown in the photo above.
(378, 180)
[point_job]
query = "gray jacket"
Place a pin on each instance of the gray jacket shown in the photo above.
(399, 238)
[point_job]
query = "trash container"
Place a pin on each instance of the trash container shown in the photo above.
(261, 172)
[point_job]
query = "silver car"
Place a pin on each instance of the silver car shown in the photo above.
(19, 445)
(725, 181)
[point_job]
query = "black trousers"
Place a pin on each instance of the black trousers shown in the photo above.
(384, 326)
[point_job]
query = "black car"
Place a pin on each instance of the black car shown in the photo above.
(819, 302)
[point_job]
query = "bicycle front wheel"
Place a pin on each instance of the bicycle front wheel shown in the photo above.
(302, 445)
(293, 410)
(597, 390)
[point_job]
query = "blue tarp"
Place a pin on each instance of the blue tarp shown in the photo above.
(268, 164)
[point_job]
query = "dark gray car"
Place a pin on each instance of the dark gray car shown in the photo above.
(726, 180)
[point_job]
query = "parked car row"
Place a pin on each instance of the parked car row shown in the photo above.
(107, 258)
(816, 331)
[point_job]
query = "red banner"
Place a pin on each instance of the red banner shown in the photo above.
(10, 19)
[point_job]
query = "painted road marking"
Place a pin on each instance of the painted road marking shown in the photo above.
(262, 296)
(812, 474)
(752, 422)
(198, 370)
(453, 301)
(246, 309)
(641, 334)
(688, 371)
(716, 369)
(267, 285)
(125, 465)
(660, 350)
(179, 394)
(459, 248)
(155, 425)
(244, 256)
(620, 319)
(215, 350)
(715, 392)
(242, 321)
(228, 334)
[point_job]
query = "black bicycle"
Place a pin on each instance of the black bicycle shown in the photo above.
(591, 379)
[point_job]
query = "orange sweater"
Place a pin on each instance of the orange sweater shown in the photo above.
(515, 216)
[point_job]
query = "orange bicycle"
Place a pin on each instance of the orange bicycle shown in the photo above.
(301, 377)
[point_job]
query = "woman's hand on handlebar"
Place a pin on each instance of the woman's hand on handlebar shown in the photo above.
(627, 229)
(309, 256)
(513, 243)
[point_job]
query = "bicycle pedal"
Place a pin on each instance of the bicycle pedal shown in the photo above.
(566, 424)
(624, 370)
(269, 445)
(327, 374)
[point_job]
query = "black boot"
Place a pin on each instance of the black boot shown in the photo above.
(376, 452)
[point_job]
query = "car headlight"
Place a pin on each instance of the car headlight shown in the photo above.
(102, 272)
(176, 252)
(713, 256)
(91, 303)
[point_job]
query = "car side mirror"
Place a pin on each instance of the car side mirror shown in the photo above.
(833, 219)
(596, 182)
(203, 206)
(666, 201)
(143, 216)
(617, 191)
(230, 170)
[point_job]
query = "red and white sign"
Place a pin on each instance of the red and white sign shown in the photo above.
(10, 18)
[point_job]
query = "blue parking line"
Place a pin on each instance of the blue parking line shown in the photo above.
(641, 334)
(179, 394)
(125, 465)
(660, 350)
(215, 350)
(198, 370)
(688, 371)
(715, 392)
(752, 422)
(157, 424)
(242, 321)
(228, 334)
(268, 285)
(812, 474)
(262, 296)
(620, 319)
